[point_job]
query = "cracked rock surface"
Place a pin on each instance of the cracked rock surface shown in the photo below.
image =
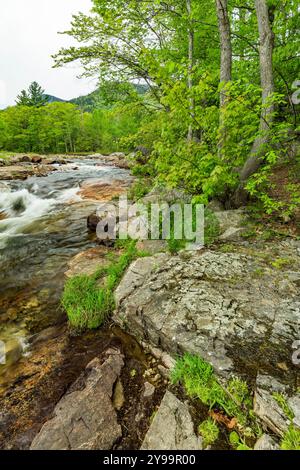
(234, 309)
(85, 417)
(172, 427)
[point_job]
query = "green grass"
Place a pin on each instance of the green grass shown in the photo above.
(282, 402)
(199, 381)
(209, 431)
(88, 304)
(291, 439)
(5, 155)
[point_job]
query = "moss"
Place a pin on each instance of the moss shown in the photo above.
(227, 248)
(281, 263)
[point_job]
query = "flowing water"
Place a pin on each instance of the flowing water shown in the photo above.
(42, 225)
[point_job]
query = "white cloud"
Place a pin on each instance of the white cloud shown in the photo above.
(28, 38)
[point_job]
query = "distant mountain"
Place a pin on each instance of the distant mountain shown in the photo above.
(89, 102)
(54, 99)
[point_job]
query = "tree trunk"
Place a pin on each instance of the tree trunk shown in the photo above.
(266, 35)
(226, 47)
(226, 63)
(190, 68)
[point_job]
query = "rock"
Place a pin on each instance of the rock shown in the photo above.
(92, 222)
(269, 411)
(85, 419)
(12, 172)
(230, 220)
(266, 442)
(118, 397)
(212, 304)
(232, 234)
(294, 404)
(103, 191)
(87, 262)
(149, 390)
(152, 246)
(215, 206)
(25, 159)
(36, 159)
(172, 428)
(168, 361)
(2, 162)
(160, 194)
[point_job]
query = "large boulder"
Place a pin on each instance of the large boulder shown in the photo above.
(172, 427)
(85, 417)
(233, 309)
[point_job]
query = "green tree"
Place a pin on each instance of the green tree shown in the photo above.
(34, 96)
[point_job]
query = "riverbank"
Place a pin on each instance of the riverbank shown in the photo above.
(234, 304)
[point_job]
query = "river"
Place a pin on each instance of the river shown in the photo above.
(43, 225)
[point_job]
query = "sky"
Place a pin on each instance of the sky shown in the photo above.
(28, 38)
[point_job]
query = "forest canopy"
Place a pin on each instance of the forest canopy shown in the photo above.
(219, 111)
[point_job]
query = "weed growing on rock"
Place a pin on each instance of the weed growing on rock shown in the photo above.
(291, 439)
(199, 381)
(237, 443)
(88, 301)
(282, 402)
(209, 431)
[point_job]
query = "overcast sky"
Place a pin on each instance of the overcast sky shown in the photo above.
(28, 37)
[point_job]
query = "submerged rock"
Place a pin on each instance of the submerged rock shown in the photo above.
(172, 427)
(85, 417)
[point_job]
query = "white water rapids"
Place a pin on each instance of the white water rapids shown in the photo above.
(22, 207)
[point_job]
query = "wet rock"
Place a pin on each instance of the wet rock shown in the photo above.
(36, 159)
(212, 304)
(87, 262)
(172, 428)
(12, 172)
(266, 442)
(2, 162)
(102, 191)
(85, 417)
